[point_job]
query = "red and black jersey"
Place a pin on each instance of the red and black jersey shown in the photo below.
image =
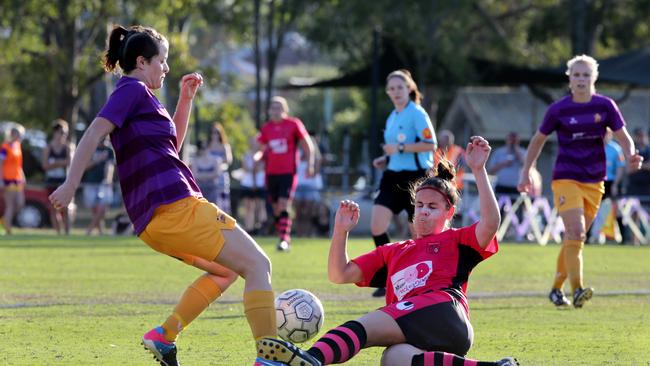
(436, 262)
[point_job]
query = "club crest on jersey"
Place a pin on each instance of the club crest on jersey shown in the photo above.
(404, 305)
(598, 118)
(433, 248)
(426, 133)
(561, 200)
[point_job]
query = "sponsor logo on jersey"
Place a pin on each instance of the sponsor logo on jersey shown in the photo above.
(573, 121)
(598, 118)
(404, 305)
(410, 278)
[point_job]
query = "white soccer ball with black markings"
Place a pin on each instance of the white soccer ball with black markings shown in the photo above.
(300, 315)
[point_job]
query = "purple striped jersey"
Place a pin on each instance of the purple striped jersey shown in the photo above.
(150, 171)
(580, 130)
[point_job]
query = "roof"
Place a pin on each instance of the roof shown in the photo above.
(493, 112)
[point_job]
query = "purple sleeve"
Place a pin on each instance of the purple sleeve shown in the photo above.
(122, 103)
(467, 236)
(549, 124)
(369, 264)
(616, 122)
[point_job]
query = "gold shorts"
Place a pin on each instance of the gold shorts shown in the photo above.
(188, 228)
(569, 194)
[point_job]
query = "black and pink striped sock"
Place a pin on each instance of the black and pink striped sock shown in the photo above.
(283, 226)
(340, 344)
(446, 359)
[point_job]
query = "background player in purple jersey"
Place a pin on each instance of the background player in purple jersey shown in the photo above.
(580, 120)
(426, 317)
(160, 194)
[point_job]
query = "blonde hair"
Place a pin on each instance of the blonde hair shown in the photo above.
(282, 101)
(405, 75)
(585, 59)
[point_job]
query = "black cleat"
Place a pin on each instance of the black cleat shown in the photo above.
(508, 361)
(277, 350)
(558, 299)
(380, 292)
(581, 296)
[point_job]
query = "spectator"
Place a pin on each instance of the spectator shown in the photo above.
(219, 149)
(12, 176)
(448, 150)
(56, 158)
(506, 163)
(253, 191)
(308, 197)
(638, 182)
(206, 170)
(98, 185)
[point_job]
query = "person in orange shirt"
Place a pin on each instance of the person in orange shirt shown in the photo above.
(452, 152)
(12, 177)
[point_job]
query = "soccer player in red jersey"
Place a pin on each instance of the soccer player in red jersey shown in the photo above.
(580, 120)
(279, 138)
(426, 317)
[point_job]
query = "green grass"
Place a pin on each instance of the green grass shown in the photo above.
(87, 301)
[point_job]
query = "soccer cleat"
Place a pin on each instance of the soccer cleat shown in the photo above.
(283, 246)
(380, 292)
(163, 350)
(582, 295)
(508, 361)
(262, 362)
(557, 298)
(284, 352)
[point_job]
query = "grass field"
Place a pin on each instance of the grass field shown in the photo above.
(87, 300)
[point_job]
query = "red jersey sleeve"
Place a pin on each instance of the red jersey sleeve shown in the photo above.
(467, 236)
(370, 264)
(301, 131)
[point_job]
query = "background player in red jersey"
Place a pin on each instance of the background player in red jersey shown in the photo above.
(279, 138)
(426, 317)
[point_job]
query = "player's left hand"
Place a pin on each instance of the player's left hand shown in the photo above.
(477, 153)
(190, 83)
(634, 162)
(347, 216)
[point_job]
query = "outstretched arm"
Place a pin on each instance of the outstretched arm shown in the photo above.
(476, 155)
(190, 83)
(95, 133)
(339, 267)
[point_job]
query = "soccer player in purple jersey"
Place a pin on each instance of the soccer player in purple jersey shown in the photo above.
(580, 120)
(160, 194)
(426, 317)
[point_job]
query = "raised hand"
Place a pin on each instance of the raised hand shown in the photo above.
(477, 153)
(190, 83)
(347, 215)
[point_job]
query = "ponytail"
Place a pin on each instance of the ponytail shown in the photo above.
(115, 42)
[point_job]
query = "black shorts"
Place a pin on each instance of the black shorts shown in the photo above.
(394, 190)
(248, 192)
(280, 186)
(434, 322)
(608, 189)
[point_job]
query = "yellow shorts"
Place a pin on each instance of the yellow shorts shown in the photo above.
(188, 228)
(569, 194)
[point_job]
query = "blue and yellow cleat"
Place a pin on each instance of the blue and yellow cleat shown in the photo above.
(163, 350)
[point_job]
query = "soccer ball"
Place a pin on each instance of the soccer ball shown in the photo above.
(300, 315)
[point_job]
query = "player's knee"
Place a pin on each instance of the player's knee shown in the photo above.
(257, 264)
(395, 355)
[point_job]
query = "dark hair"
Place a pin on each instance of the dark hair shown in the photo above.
(440, 177)
(405, 75)
(125, 45)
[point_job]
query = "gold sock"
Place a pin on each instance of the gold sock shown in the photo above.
(560, 273)
(573, 262)
(196, 298)
(259, 308)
